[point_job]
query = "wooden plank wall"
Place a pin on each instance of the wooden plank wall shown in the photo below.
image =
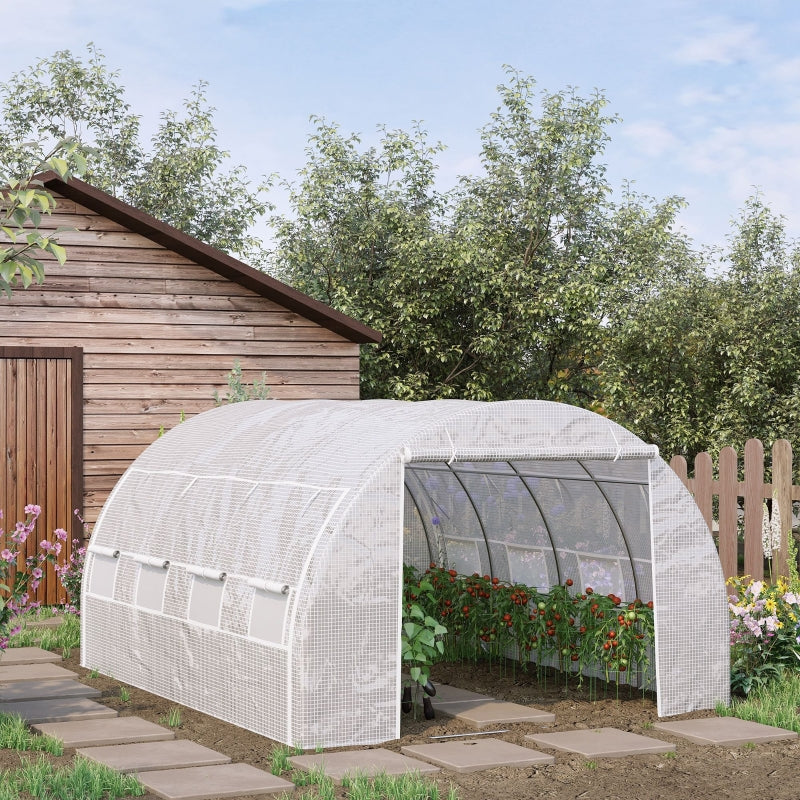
(160, 334)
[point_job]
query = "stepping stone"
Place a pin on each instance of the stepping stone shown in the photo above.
(452, 694)
(14, 656)
(473, 755)
(601, 743)
(50, 622)
(145, 756)
(365, 762)
(57, 709)
(224, 780)
(493, 712)
(96, 732)
(725, 731)
(41, 690)
(34, 672)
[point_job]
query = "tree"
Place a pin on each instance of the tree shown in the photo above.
(22, 203)
(710, 360)
(181, 180)
(501, 288)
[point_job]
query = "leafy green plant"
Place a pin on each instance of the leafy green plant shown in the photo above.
(490, 618)
(774, 702)
(238, 391)
(124, 694)
(173, 718)
(80, 780)
(279, 760)
(421, 635)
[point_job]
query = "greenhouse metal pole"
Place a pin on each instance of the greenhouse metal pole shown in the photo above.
(544, 520)
(477, 516)
(619, 524)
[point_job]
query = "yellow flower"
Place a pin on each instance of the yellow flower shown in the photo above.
(770, 605)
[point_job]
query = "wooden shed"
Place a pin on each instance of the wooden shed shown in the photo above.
(140, 326)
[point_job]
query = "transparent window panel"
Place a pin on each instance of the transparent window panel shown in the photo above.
(205, 602)
(463, 556)
(604, 575)
(150, 587)
(104, 575)
(268, 615)
(529, 566)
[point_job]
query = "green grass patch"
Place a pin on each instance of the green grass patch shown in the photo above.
(66, 637)
(775, 703)
(81, 780)
(15, 735)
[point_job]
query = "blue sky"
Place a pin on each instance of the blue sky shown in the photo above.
(708, 92)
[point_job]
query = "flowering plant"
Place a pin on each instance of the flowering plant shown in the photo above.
(18, 582)
(765, 631)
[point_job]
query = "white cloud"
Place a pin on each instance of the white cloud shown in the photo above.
(652, 139)
(725, 43)
(786, 71)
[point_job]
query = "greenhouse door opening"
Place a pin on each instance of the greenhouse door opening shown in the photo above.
(536, 523)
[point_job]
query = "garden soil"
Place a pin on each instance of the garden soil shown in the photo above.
(696, 772)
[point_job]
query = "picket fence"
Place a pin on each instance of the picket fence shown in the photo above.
(751, 493)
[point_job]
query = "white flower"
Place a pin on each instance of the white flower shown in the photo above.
(754, 589)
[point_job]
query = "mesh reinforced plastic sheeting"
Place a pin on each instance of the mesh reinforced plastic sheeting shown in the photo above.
(249, 563)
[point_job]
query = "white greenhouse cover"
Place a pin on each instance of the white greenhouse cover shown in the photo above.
(249, 563)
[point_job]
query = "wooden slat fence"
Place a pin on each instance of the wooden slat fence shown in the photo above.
(751, 493)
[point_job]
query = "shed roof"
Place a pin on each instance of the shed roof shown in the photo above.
(207, 256)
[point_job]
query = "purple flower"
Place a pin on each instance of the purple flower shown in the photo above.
(61, 535)
(435, 520)
(37, 574)
(34, 510)
(7, 555)
(45, 545)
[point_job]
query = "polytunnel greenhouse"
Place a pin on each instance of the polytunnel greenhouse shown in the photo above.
(249, 562)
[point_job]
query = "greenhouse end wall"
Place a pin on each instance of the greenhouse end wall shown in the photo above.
(249, 563)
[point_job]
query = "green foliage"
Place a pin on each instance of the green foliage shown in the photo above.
(23, 201)
(181, 179)
(490, 618)
(421, 634)
(502, 288)
(708, 361)
(15, 735)
(66, 636)
(238, 391)
(81, 780)
(774, 702)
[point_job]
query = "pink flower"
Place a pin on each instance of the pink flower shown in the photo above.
(57, 548)
(45, 545)
(37, 574)
(7, 555)
(33, 510)
(61, 535)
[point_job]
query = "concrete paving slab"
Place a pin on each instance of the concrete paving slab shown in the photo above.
(224, 780)
(42, 690)
(601, 743)
(50, 622)
(493, 712)
(473, 755)
(34, 672)
(145, 756)
(98, 732)
(57, 709)
(725, 731)
(366, 762)
(452, 694)
(14, 656)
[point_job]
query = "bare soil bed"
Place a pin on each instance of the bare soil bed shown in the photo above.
(696, 772)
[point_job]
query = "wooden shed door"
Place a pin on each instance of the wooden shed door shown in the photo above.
(41, 440)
